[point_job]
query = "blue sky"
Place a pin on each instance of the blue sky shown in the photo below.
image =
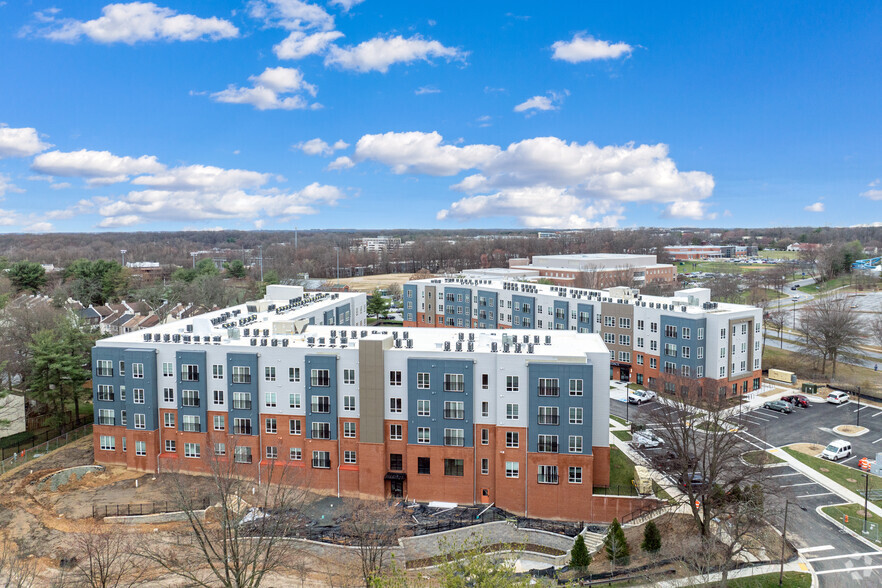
(385, 114)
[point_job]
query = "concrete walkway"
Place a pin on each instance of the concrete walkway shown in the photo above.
(712, 579)
(819, 478)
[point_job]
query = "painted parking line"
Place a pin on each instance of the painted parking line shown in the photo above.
(864, 407)
(849, 458)
(848, 570)
(846, 556)
(875, 415)
(813, 495)
(795, 485)
(767, 412)
(841, 405)
(783, 475)
(768, 445)
(814, 549)
(877, 440)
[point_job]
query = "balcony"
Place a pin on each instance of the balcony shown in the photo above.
(321, 463)
(191, 427)
(455, 414)
(547, 447)
(241, 404)
(453, 441)
(550, 478)
(241, 429)
(243, 458)
(242, 379)
(547, 390)
(107, 421)
(549, 419)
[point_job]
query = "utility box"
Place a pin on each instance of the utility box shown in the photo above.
(809, 388)
(782, 376)
(876, 466)
(642, 481)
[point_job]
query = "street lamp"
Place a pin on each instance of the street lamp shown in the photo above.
(858, 412)
(123, 251)
(866, 497)
(193, 255)
(784, 539)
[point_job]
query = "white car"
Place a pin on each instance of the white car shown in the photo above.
(640, 396)
(837, 397)
(837, 450)
(647, 439)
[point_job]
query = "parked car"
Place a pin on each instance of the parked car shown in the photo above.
(794, 287)
(778, 405)
(794, 298)
(796, 400)
(696, 480)
(647, 439)
(640, 396)
(836, 450)
(837, 397)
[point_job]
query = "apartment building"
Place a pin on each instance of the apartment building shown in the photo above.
(648, 337)
(598, 270)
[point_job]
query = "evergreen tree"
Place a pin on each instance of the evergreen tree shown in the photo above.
(27, 275)
(616, 545)
(377, 305)
(651, 538)
(579, 556)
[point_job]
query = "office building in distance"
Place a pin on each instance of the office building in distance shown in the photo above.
(652, 340)
(597, 270)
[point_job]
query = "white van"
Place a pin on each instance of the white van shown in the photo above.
(837, 397)
(837, 450)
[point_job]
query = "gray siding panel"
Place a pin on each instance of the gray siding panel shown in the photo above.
(437, 396)
(321, 362)
(564, 373)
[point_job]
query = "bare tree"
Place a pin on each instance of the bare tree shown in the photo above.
(16, 570)
(106, 558)
(375, 527)
(830, 330)
(776, 319)
(241, 539)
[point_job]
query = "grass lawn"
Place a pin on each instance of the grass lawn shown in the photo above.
(761, 458)
(828, 285)
(619, 420)
(710, 427)
(661, 494)
(720, 267)
(775, 357)
(623, 435)
(779, 254)
(848, 477)
(621, 468)
(855, 514)
(791, 580)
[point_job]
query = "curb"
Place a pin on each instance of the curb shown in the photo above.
(843, 528)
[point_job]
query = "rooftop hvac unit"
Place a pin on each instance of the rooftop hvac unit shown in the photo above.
(270, 307)
(410, 343)
(284, 342)
(354, 335)
(405, 335)
(530, 348)
(196, 339)
(310, 340)
(165, 337)
(505, 347)
(683, 308)
(398, 343)
(548, 339)
(459, 345)
(364, 334)
(333, 341)
(156, 337)
(526, 338)
(471, 346)
(266, 332)
(275, 342)
(494, 346)
(536, 339)
(461, 336)
(321, 340)
(394, 334)
(471, 336)
(147, 336)
(517, 347)
(263, 342)
(254, 342)
(190, 328)
(237, 312)
(216, 339)
(447, 346)
(333, 332)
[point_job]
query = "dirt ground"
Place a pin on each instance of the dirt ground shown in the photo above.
(370, 283)
(812, 449)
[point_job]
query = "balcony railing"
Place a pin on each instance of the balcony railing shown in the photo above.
(241, 429)
(452, 413)
(547, 447)
(106, 420)
(188, 402)
(241, 404)
(242, 379)
(192, 427)
(549, 419)
(243, 458)
(321, 463)
(548, 478)
(546, 390)
(453, 441)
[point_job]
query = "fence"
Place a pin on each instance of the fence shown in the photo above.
(855, 522)
(99, 511)
(38, 448)
(616, 490)
(41, 438)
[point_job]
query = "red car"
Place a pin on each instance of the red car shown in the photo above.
(797, 400)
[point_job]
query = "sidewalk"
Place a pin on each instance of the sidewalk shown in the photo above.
(819, 478)
(711, 579)
(638, 459)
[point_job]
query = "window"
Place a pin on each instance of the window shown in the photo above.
(485, 409)
(722, 352)
(218, 397)
(395, 378)
(320, 430)
(575, 443)
(217, 371)
(294, 400)
(320, 378)
(639, 359)
(512, 439)
(219, 422)
(348, 457)
(423, 380)
(722, 372)
(105, 393)
(454, 437)
(625, 340)
(686, 332)
(454, 383)
(294, 427)
(485, 436)
(348, 376)
(653, 327)
(423, 465)
(576, 415)
(722, 333)
(140, 421)
(122, 417)
(653, 345)
(140, 448)
(168, 394)
(108, 443)
(512, 469)
(241, 374)
(137, 371)
(548, 415)
(241, 426)
(272, 452)
(293, 374)
(685, 352)
(424, 435)
(511, 383)
(453, 467)
(671, 349)
(547, 474)
(395, 405)
(349, 430)
(242, 400)
(189, 423)
(424, 408)
(576, 387)
(320, 404)
(485, 466)
(684, 371)
(575, 475)
(699, 371)
(169, 419)
(295, 454)
(170, 446)
(189, 372)
(624, 323)
(609, 338)
(168, 369)
(190, 397)
(625, 356)
(547, 444)
(321, 459)
(242, 454)
(511, 411)
(548, 387)
(395, 432)
(699, 334)
(271, 426)
(671, 331)
(699, 353)
(269, 373)
(123, 443)
(609, 321)
(220, 448)
(639, 342)
(653, 363)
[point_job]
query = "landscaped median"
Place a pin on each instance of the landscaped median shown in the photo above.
(761, 457)
(852, 516)
(847, 477)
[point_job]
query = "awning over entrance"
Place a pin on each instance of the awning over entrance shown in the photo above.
(397, 476)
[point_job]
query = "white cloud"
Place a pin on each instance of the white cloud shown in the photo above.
(269, 89)
(345, 5)
(872, 194)
(535, 103)
(587, 48)
(204, 177)
(874, 183)
(426, 90)
(484, 121)
(379, 53)
(6, 185)
(39, 227)
(692, 209)
(97, 165)
(816, 207)
(60, 186)
(299, 44)
(546, 178)
(22, 142)
(139, 21)
(318, 147)
(291, 14)
(342, 162)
